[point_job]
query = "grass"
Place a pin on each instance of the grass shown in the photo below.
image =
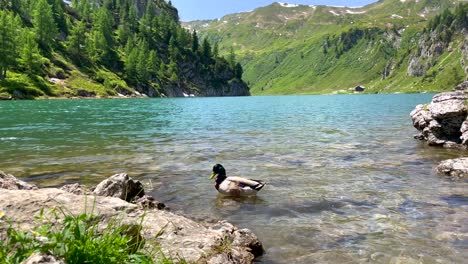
(80, 81)
(224, 246)
(78, 239)
(23, 86)
(112, 82)
(98, 81)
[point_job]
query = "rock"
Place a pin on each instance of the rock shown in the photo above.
(76, 189)
(419, 136)
(462, 86)
(359, 88)
(454, 168)
(120, 186)
(84, 93)
(464, 131)
(443, 122)
(241, 238)
(148, 202)
(447, 108)
(5, 96)
(178, 237)
(245, 238)
(17, 94)
(10, 182)
(404, 260)
(41, 258)
(456, 95)
(451, 236)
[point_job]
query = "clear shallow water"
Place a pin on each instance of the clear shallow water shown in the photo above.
(347, 183)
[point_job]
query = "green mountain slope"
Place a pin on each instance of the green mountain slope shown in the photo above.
(103, 48)
(387, 46)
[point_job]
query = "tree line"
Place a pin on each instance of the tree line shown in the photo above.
(142, 41)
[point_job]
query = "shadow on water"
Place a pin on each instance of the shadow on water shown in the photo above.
(259, 206)
(456, 200)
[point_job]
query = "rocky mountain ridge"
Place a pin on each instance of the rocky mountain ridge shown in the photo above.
(388, 46)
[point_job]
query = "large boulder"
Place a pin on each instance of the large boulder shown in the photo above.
(443, 122)
(454, 168)
(176, 236)
(120, 186)
(8, 181)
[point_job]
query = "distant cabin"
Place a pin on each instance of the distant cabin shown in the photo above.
(359, 88)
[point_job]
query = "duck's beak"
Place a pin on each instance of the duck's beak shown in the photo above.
(212, 175)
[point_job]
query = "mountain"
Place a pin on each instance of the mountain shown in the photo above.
(105, 48)
(388, 46)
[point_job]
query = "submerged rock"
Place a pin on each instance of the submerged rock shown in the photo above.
(9, 182)
(454, 168)
(176, 236)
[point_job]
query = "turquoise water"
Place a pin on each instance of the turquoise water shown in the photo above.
(347, 183)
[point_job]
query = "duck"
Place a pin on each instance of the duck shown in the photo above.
(234, 186)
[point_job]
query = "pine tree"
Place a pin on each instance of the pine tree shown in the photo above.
(173, 49)
(101, 40)
(131, 65)
(142, 64)
(133, 18)
(173, 70)
(123, 34)
(8, 42)
(16, 6)
(232, 58)
(44, 24)
(59, 15)
(77, 40)
(238, 71)
(195, 43)
(216, 50)
(206, 50)
(150, 12)
(29, 57)
(153, 64)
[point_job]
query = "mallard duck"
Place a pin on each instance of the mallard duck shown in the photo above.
(234, 186)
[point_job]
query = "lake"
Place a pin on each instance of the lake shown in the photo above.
(346, 181)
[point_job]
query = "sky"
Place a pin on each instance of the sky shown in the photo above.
(209, 9)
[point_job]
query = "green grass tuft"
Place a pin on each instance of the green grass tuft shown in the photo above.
(78, 239)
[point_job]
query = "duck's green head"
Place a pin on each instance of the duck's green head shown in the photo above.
(218, 169)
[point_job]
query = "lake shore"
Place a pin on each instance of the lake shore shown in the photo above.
(178, 237)
(144, 96)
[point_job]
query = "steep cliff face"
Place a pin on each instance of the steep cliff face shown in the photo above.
(231, 88)
(464, 50)
(161, 6)
(430, 49)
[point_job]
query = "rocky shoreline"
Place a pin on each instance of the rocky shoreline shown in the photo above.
(444, 122)
(120, 196)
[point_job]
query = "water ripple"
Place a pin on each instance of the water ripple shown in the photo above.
(346, 181)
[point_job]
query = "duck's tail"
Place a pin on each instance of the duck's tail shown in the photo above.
(259, 186)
